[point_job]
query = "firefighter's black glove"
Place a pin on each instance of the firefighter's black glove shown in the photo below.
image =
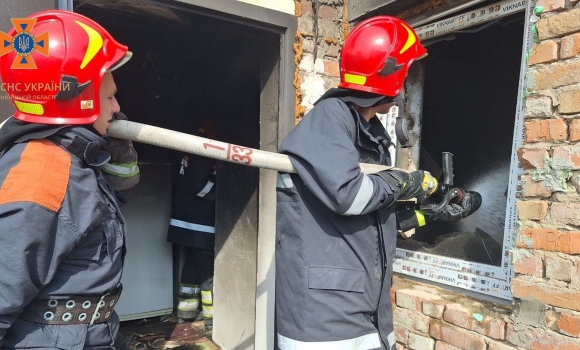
(452, 212)
(122, 171)
(417, 184)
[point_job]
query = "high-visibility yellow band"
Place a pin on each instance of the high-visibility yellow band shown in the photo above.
(206, 297)
(95, 43)
(355, 79)
(420, 218)
(30, 108)
(410, 39)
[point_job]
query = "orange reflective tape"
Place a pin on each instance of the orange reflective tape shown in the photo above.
(41, 176)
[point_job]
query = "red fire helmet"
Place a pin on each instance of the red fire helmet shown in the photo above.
(52, 64)
(376, 55)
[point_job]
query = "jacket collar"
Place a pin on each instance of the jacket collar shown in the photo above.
(78, 140)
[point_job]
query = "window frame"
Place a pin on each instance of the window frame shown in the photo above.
(480, 278)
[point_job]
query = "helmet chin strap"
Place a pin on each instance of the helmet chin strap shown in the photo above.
(401, 127)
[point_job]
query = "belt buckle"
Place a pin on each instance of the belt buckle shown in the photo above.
(100, 304)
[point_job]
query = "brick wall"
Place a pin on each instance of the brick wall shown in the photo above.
(546, 307)
(316, 75)
(547, 254)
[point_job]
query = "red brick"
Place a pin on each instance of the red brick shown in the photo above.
(559, 25)
(570, 46)
(551, 295)
(558, 129)
(411, 319)
(566, 157)
(537, 130)
(306, 7)
(402, 335)
(555, 75)
(566, 213)
(519, 338)
(532, 158)
(398, 284)
(559, 269)
(413, 299)
(551, 5)
(528, 265)
(554, 129)
(549, 240)
(544, 52)
(439, 345)
(331, 68)
(545, 341)
(456, 336)
(417, 342)
(327, 12)
(570, 102)
(532, 210)
(434, 308)
(575, 130)
(463, 317)
(531, 188)
(569, 325)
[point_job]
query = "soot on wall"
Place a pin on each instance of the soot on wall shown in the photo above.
(184, 69)
(469, 106)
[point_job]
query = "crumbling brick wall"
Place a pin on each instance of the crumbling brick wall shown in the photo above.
(546, 258)
(316, 75)
(546, 308)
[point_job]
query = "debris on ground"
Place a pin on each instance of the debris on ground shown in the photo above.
(166, 332)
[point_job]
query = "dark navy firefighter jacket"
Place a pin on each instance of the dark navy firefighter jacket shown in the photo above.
(193, 209)
(336, 235)
(62, 233)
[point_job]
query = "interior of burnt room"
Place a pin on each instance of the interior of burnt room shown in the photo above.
(469, 107)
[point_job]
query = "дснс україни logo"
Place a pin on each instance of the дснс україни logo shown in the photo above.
(23, 43)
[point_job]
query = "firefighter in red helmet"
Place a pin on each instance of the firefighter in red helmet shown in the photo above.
(62, 232)
(337, 227)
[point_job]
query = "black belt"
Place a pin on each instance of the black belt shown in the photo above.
(74, 310)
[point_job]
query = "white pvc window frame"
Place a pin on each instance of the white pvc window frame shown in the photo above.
(481, 278)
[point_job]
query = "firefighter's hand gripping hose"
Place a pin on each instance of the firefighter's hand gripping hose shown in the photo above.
(470, 201)
(417, 184)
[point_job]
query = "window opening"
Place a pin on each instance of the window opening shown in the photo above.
(472, 108)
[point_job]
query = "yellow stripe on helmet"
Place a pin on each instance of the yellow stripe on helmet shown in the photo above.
(95, 43)
(410, 40)
(355, 79)
(29, 108)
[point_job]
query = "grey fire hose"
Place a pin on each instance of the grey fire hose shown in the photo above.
(179, 141)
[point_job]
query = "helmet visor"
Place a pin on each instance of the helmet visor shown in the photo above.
(121, 62)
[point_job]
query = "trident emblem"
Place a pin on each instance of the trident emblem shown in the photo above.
(24, 43)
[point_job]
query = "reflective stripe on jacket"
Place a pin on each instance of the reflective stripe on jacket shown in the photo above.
(336, 235)
(193, 209)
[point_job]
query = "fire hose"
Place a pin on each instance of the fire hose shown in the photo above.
(201, 146)
(258, 158)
